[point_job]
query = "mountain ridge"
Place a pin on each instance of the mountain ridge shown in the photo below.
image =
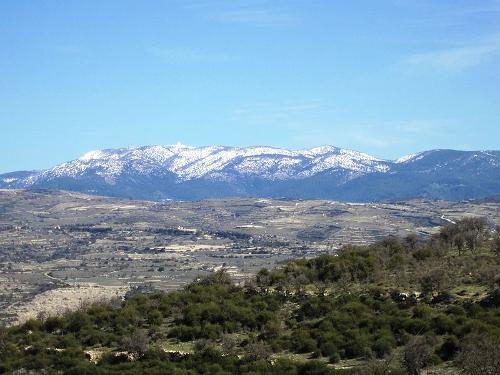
(187, 172)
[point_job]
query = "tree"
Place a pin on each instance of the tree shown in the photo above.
(459, 241)
(417, 353)
(377, 367)
(263, 278)
(495, 245)
(220, 277)
(229, 345)
(474, 229)
(136, 343)
(468, 232)
(411, 241)
(299, 283)
(155, 317)
(480, 355)
(257, 350)
(435, 280)
(3, 338)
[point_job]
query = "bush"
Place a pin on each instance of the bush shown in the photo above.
(155, 317)
(334, 358)
(302, 342)
(329, 349)
(383, 346)
(448, 349)
(422, 253)
(137, 342)
(53, 324)
(417, 354)
(314, 368)
(357, 346)
(480, 355)
(342, 320)
(78, 321)
(442, 324)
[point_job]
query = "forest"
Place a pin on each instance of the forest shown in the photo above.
(399, 306)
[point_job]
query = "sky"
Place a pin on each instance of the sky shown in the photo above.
(388, 77)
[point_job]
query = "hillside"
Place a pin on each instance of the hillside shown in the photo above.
(399, 306)
(58, 248)
(327, 172)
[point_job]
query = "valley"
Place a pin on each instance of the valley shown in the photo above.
(61, 250)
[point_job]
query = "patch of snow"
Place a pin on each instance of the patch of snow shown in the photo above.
(410, 157)
(92, 155)
(9, 180)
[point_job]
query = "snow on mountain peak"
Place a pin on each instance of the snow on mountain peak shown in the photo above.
(159, 171)
(92, 155)
(321, 150)
(218, 162)
(410, 157)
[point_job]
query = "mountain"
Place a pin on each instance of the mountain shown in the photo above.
(184, 172)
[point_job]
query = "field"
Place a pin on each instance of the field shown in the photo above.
(60, 250)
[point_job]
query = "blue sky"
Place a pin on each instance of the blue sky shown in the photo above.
(383, 77)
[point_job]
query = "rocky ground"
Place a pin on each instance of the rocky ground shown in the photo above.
(60, 249)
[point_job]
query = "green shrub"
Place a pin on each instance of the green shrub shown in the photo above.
(448, 349)
(383, 346)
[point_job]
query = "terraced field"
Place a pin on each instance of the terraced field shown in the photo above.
(74, 248)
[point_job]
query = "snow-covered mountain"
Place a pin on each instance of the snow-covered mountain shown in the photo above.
(216, 162)
(185, 172)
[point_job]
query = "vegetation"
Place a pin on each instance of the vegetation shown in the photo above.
(394, 307)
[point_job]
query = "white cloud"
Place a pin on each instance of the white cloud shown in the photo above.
(457, 58)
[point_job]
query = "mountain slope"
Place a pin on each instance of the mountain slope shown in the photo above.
(183, 172)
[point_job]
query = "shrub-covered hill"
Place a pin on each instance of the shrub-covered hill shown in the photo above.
(401, 306)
